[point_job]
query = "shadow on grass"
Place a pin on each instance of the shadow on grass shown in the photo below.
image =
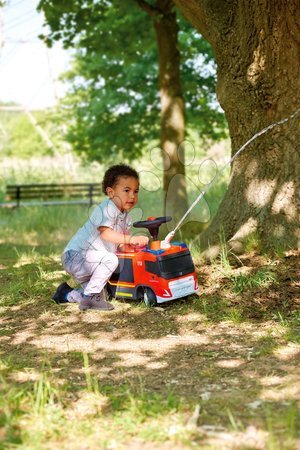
(217, 350)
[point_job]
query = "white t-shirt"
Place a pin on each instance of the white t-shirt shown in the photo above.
(106, 214)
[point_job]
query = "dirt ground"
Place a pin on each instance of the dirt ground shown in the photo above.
(219, 351)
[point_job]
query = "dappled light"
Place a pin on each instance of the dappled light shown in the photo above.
(245, 230)
(258, 65)
(288, 352)
(259, 192)
(219, 350)
(285, 201)
(194, 342)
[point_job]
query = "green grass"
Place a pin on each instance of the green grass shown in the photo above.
(36, 412)
(46, 409)
(260, 279)
(61, 168)
(55, 395)
(287, 420)
(68, 168)
(265, 346)
(291, 325)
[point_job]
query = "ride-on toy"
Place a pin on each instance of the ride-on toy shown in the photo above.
(151, 273)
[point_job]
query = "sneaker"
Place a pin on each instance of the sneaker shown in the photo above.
(61, 292)
(95, 301)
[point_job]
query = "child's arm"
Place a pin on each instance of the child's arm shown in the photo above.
(107, 234)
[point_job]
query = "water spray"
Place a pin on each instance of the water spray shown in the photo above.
(166, 242)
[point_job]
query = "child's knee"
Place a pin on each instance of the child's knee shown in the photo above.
(111, 260)
(115, 261)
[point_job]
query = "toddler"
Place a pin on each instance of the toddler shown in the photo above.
(90, 256)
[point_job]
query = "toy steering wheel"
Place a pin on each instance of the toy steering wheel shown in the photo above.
(152, 224)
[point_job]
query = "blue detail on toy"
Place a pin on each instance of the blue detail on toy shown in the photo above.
(154, 252)
(159, 252)
(180, 244)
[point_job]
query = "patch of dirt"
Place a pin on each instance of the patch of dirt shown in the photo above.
(222, 350)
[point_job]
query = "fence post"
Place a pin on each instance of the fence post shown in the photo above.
(91, 188)
(18, 196)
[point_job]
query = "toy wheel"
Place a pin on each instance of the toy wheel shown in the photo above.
(149, 297)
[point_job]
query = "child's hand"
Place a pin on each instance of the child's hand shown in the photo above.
(139, 240)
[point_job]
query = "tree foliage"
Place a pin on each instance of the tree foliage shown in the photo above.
(113, 104)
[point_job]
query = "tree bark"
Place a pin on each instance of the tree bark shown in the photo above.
(172, 129)
(257, 49)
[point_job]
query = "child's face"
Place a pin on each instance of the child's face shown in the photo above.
(124, 193)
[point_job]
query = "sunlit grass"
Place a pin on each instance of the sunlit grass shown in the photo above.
(64, 168)
(68, 168)
(35, 412)
(291, 324)
(260, 279)
(59, 399)
(62, 411)
(38, 226)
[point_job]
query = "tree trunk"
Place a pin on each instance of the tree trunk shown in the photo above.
(257, 48)
(172, 111)
(172, 129)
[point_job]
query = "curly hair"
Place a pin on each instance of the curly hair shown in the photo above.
(112, 175)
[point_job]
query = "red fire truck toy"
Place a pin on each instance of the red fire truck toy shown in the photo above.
(151, 273)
